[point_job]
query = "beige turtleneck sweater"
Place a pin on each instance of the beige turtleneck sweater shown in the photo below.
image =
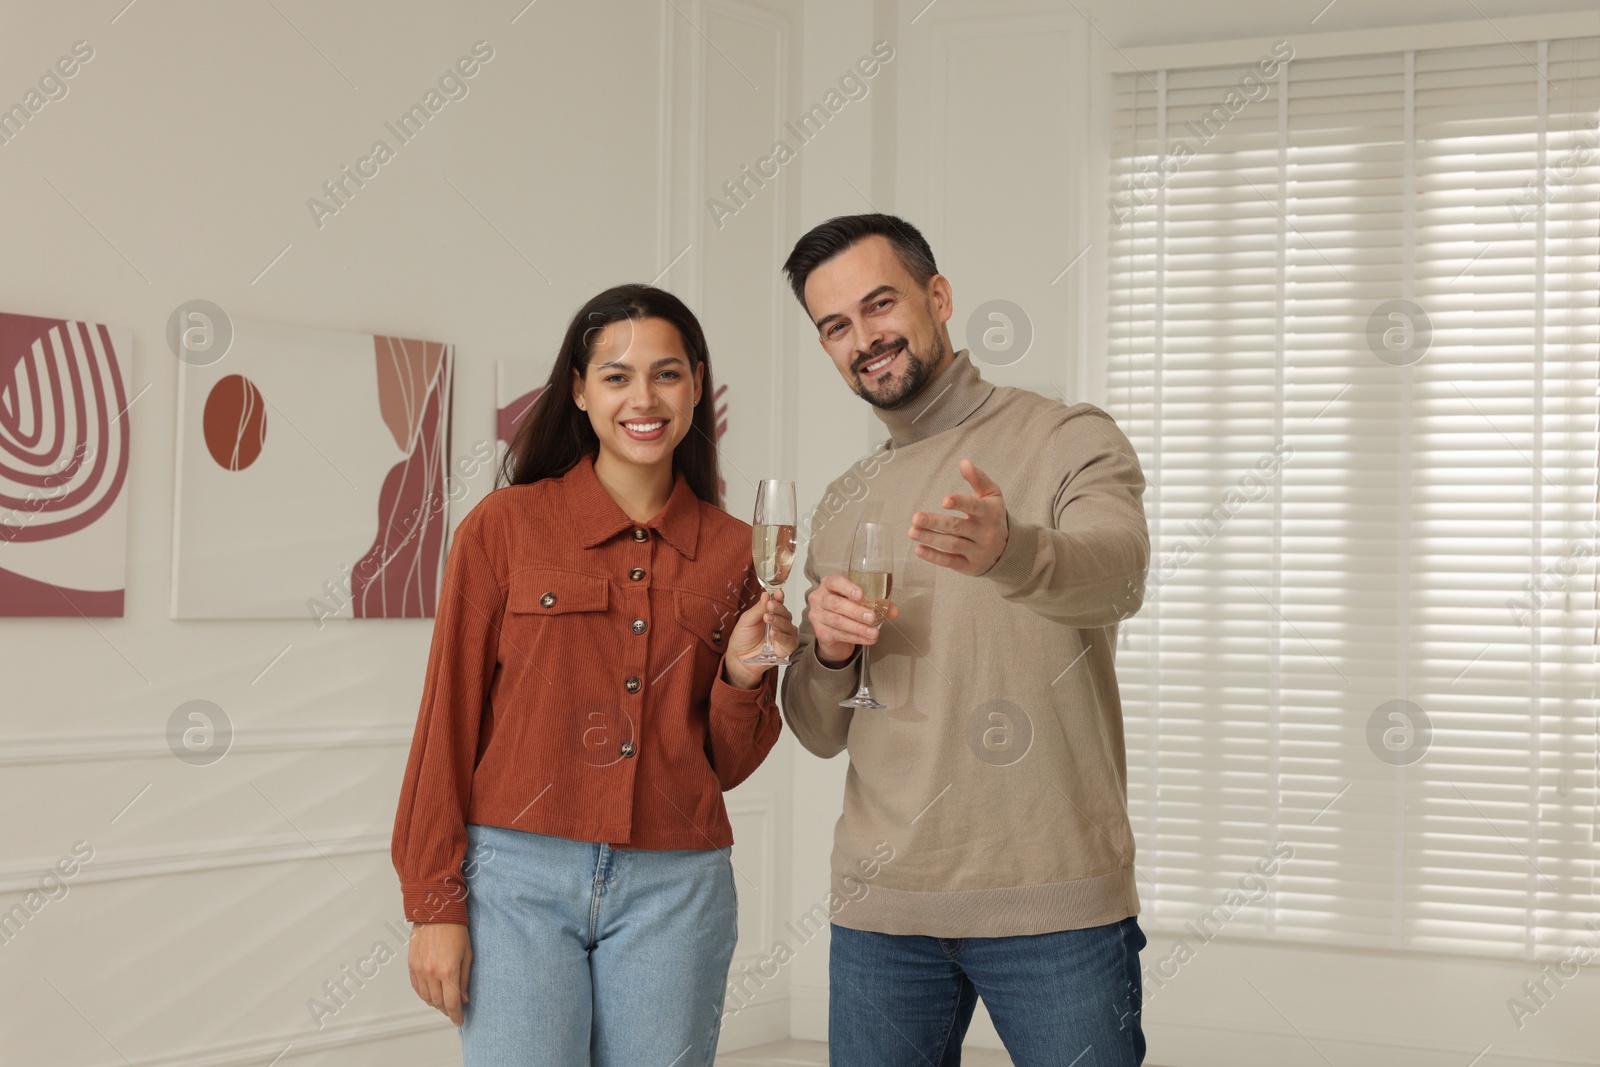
(997, 773)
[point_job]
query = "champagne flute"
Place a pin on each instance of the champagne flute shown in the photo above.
(872, 568)
(772, 549)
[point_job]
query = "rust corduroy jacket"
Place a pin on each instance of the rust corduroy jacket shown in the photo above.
(574, 685)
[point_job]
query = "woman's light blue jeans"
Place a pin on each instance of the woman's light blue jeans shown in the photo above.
(587, 954)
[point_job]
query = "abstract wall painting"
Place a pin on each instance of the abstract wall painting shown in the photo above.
(312, 474)
(517, 385)
(64, 399)
(719, 399)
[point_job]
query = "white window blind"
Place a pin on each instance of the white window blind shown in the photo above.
(1386, 269)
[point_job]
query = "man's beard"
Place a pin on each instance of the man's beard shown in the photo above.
(904, 387)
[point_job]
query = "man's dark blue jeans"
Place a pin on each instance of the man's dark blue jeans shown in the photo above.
(1064, 999)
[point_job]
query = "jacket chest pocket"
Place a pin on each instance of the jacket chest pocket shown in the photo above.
(707, 622)
(552, 613)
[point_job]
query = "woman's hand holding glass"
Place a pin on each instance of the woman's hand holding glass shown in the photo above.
(749, 635)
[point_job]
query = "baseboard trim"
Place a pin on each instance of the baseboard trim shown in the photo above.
(1194, 1042)
(284, 1050)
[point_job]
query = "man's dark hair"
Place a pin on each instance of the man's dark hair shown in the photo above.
(824, 242)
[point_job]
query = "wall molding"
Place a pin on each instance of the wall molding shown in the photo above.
(20, 750)
(116, 865)
(255, 1052)
(765, 808)
(761, 1022)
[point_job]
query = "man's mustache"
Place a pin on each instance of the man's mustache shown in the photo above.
(874, 356)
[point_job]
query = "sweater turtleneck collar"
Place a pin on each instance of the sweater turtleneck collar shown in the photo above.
(944, 402)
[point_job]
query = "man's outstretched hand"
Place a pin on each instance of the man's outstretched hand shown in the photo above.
(969, 543)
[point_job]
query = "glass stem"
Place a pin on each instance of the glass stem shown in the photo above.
(766, 643)
(862, 690)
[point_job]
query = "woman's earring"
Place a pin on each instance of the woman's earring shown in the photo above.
(581, 407)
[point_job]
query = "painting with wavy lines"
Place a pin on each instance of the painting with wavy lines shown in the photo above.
(518, 384)
(63, 467)
(312, 473)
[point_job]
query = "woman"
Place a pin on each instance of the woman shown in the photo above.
(561, 839)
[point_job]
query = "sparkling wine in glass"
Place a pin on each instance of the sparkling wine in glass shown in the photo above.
(772, 549)
(872, 568)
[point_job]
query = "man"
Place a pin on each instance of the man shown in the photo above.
(998, 766)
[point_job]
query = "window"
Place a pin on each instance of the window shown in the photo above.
(1354, 337)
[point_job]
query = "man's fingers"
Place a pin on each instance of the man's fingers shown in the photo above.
(842, 629)
(980, 481)
(839, 585)
(977, 507)
(930, 520)
(942, 559)
(845, 620)
(838, 618)
(943, 542)
(851, 610)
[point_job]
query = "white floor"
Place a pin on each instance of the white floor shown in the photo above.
(815, 1054)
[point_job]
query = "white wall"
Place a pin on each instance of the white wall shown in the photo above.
(733, 65)
(181, 160)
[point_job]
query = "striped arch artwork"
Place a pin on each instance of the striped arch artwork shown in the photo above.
(313, 477)
(63, 467)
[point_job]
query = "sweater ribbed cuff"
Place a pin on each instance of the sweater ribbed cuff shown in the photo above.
(1016, 562)
(832, 684)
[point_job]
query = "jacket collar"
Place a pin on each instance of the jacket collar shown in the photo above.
(944, 402)
(598, 518)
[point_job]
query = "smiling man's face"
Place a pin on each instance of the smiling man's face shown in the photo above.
(884, 332)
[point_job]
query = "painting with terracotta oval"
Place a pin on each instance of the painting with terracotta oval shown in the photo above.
(312, 471)
(64, 414)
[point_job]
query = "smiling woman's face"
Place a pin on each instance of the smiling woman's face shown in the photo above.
(883, 331)
(638, 390)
